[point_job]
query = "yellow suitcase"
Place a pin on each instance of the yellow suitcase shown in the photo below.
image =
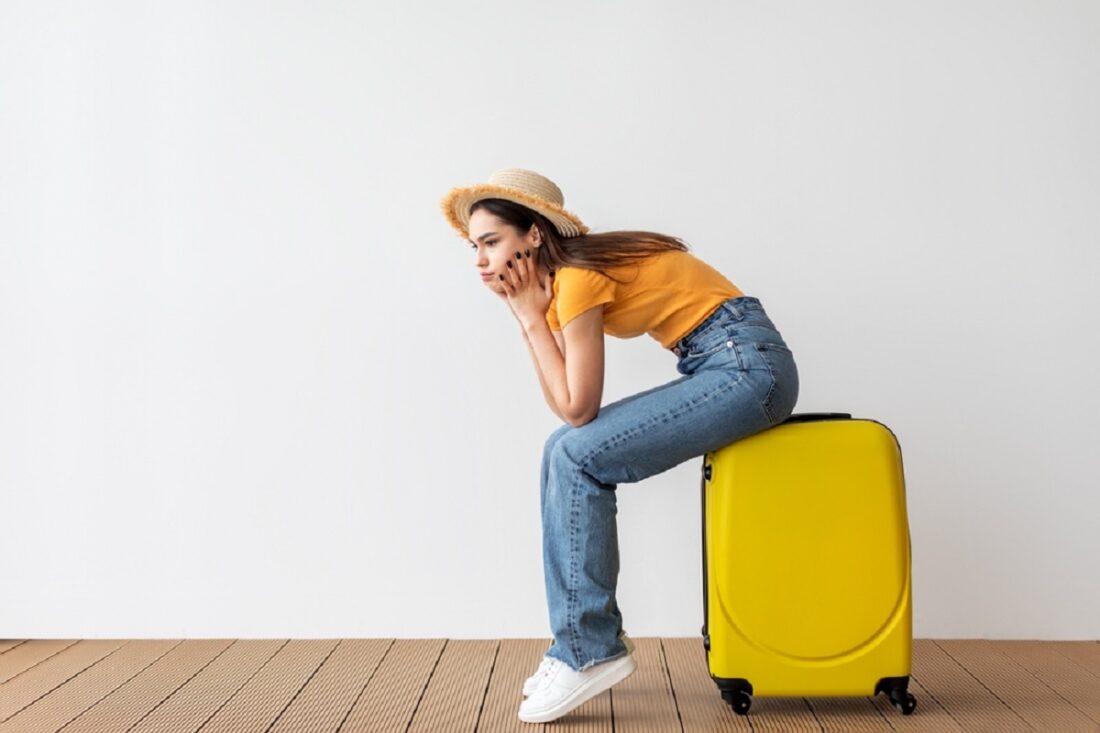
(806, 563)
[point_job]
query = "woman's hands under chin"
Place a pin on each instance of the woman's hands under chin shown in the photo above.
(527, 296)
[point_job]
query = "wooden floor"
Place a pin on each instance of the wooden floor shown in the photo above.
(169, 685)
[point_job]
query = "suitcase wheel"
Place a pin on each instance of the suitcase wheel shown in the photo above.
(900, 697)
(739, 700)
(906, 705)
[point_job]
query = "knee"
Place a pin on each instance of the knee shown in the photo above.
(576, 450)
(552, 441)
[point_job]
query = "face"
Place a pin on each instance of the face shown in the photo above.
(495, 243)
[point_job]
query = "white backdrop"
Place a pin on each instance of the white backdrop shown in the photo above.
(251, 385)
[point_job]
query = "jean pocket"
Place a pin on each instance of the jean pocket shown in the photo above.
(717, 351)
(708, 349)
(710, 341)
(782, 395)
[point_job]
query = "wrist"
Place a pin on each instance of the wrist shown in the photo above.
(530, 324)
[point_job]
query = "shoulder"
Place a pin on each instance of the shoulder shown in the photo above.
(576, 270)
(583, 285)
(570, 274)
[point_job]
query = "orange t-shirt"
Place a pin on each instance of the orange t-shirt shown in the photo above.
(665, 295)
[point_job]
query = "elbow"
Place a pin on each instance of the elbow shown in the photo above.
(583, 417)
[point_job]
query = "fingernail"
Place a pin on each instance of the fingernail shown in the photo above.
(528, 253)
(509, 263)
(501, 276)
(518, 255)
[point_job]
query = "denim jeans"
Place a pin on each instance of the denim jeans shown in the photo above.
(739, 378)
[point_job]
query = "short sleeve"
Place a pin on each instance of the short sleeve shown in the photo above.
(576, 290)
(552, 315)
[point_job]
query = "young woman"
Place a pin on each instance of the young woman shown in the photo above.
(567, 287)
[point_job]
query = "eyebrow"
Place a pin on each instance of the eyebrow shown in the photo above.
(483, 236)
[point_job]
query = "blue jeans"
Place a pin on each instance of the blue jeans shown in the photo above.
(739, 378)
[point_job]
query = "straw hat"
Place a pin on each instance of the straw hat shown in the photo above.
(520, 186)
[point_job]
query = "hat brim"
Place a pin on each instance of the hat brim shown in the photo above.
(456, 208)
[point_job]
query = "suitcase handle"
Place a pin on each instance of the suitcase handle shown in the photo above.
(811, 416)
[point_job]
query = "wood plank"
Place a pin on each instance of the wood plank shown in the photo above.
(698, 701)
(212, 689)
(70, 700)
(452, 700)
(23, 657)
(848, 714)
(330, 694)
(392, 693)
(515, 660)
(969, 702)
(1085, 654)
(37, 680)
(266, 694)
(199, 697)
(1017, 688)
(1074, 684)
(132, 701)
(7, 644)
(418, 685)
(643, 702)
(782, 714)
(1031, 698)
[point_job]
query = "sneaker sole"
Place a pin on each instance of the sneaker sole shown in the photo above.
(617, 671)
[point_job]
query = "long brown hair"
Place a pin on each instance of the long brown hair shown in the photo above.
(594, 251)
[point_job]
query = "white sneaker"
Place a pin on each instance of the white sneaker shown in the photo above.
(562, 689)
(533, 681)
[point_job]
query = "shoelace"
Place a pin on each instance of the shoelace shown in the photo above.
(544, 665)
(552, 664)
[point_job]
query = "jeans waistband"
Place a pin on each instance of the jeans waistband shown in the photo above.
(734, 308)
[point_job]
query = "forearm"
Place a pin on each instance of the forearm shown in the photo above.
(542, 381)
(538, 341)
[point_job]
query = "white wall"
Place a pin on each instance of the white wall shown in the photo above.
(250, 384)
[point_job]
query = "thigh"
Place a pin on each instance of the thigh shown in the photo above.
(608, 409)
(651, 432)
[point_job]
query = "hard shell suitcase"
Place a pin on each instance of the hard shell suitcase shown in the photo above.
(806, 563)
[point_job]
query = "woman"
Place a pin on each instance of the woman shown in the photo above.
(567, 288)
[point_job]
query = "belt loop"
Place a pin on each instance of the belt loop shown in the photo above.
(732, 308)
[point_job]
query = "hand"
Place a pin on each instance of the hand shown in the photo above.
(528, 297)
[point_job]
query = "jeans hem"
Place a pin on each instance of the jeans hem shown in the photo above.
(590, 663)
(586, 665)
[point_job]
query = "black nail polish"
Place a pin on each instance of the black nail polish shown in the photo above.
(501, 276)
(528, 253)
(518, 255)
(509, 263)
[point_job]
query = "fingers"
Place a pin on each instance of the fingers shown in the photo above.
(529, 266)
(518, 270)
